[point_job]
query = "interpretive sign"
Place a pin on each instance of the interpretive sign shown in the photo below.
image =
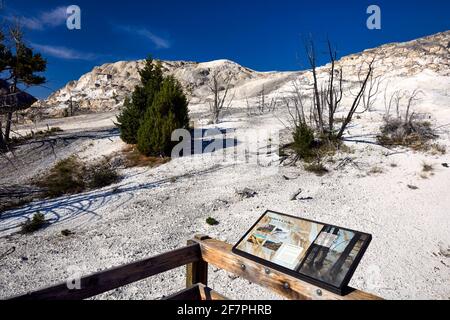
(322, 254)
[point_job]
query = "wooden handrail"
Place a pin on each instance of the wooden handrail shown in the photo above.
(200, 252)
(105, 281)
(219, 254)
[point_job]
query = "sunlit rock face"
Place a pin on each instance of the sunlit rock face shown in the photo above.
(106, 86)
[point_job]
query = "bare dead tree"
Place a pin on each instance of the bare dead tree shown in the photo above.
(395, 101)
(412, 98)
(311, 55)
(327, 97)
(265, 105)
(219, 90)
(357, 99)
(333, 94)
(295, 104)
(406, 127)
(370, 94)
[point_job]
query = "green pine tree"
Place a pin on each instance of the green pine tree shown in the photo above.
(129, 121)
(133, 111)
(168, 112)
(19, 66)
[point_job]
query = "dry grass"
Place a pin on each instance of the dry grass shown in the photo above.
(427, 170)
(437, 149)
(427, 167)
(415, 134)
(66, 177)
(72, 176)
(37, 222)
(375, 170)
(133, 158)
(317, 167)
(101, 174)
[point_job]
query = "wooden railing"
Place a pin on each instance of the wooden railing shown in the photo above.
(196, 256)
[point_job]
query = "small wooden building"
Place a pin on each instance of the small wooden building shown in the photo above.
(12, 102)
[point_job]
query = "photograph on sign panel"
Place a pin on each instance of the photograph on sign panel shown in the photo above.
(332, 255)
(281, 239)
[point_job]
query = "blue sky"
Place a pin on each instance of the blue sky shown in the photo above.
(260, 34)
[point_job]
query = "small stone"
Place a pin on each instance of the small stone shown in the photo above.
(247, 193)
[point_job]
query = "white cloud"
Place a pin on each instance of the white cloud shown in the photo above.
(55, 17)
(64, 53)
(158, 41)
(51, 18)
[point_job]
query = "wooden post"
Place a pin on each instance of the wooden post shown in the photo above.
(219, 254)
(107, 280)
(197, 272)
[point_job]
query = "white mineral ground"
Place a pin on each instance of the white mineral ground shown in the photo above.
(155, 210)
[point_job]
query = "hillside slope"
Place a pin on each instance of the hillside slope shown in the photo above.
(106, 86)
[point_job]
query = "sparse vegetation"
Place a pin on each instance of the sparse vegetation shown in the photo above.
(427, 167)
(212, 221)
(101, 175)
(66, 233)
(427, 170)
(36, 223)
(71, 176)
(405, 127)
(376, 170)
(66, 177)
(304, 142)
(133, 158)
(317, 129)
(438, 149)
(317, 168)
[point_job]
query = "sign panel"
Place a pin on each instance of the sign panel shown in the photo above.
(321, 254)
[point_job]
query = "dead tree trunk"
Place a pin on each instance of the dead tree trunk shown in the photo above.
(327, 97)
(2, 139)
(356, 101)
(311, 53)
(218, 103)
(8, 126)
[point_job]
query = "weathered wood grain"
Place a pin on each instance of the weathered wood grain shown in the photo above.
(219, 254)
(105, 281)
(197, 292)
(197, 272)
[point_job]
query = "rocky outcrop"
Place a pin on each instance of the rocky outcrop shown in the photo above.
(106, 86)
